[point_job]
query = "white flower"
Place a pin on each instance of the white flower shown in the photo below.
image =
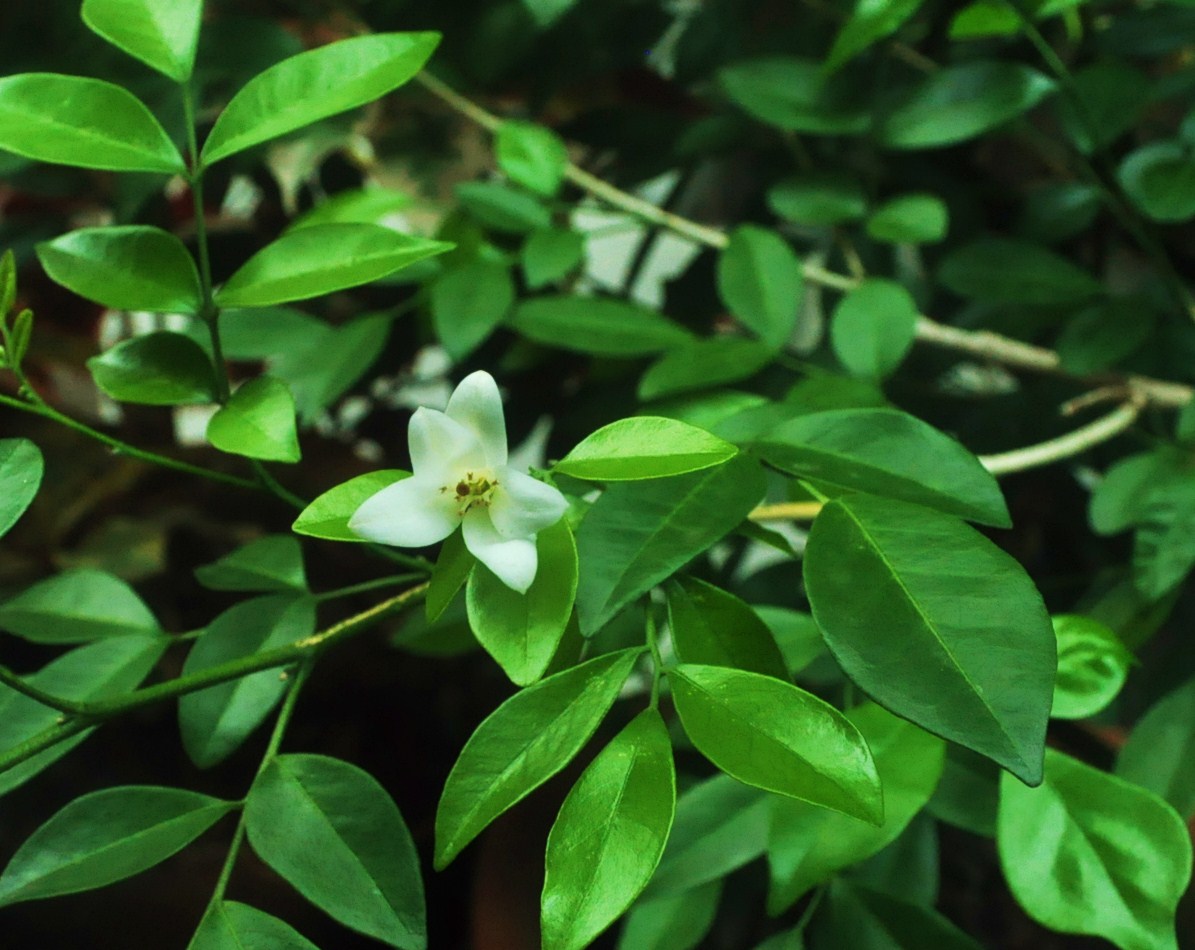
(460, 477)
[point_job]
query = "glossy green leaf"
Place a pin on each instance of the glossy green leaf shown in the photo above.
(819, 199)
(909, 219)
(870, 22)
(1089, 853)
(960, 102)
(452, 570)
(257, 422)
(522, 631)
(808, 845)
(703, 364)
(609, 835)
(671, 922)
(550, 254)
(320, 259)
(502, 208)
(980, 269)
(96, 671)
(158, 369)
(88, 123)
(866, 919)
(163, 34)
(366, 875)
(599, 326)
(229, 925)
(272, 563)
(77, 606)
(214, 722)
(21, 469)
(523, 743)
(639, 533)
(889, 453)
(130, 267)
(1160, 753)
(644, 447)
(760, 281)
(772, 735)
(468, 303)
(794, 94)
(328, 516)
(1092, 666)
(531, 155)
(314, 85)
(935, 623)
(873, 327)
(714, 628)
(107, 836)
(1159, 179)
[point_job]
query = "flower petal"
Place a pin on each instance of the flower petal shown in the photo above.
(477, 405)
(513, 560)
(409, 514)
(442, 448)
(522, 505)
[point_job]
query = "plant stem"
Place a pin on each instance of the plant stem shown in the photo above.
(275, 488)
(21, 685)
(366, 586)
(657, 662)
(1065, 446)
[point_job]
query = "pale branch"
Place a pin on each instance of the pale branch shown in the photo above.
(1065, 446)
(982, 344)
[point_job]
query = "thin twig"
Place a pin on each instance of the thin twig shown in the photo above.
(1064, 446)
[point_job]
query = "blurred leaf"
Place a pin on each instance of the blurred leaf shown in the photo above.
(163, 34)
(158, 369)
(370, 205)
(760, 281)
(1159, 179)
(1100, 336)
(1160, 753)
(870, 22)
(21, 469)
(532, 156)
(873, 327)
(864, 919)
(272, 563)
(703, 364)
(257, 422)
(673, 922)
(468, 303)
(909, 219)
(550, 254)
(794, 94)
(981, 270)
(1105, 101)
(503, 208)
(77, 606)
(594, 325)
(819, 198)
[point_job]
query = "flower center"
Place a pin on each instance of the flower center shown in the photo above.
(475, 489)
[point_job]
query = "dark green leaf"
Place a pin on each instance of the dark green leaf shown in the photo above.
(158, 369)
(328, 516)
(163, 34)
(228, 925)
(981, 269)
(1105, 101)
(714, 628)
(453, 567)
(703, 364)
(1160, 753)
(77, 606)
(868, 24)
(1164, 544)
(20, 476)
(257, 422)
(672, 922)
(468, 303)
(644, 447)
(1159, 178)
(503, 208)
(272, 563)
(794, 94)
(819, 198)
(863, 919)
(599, 326)
(760, 281)
(1120, 500)
(873, 327)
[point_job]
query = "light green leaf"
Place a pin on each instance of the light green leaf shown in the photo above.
(88, 123)
(909, 219)
(468, 303)
(107, 836)
(1159, 179)
(131, 267)
(760, 281)
(367, 874)
(1076, 864)
(314, 85)
(874, 327)
(598, 326)
(936, 624)
(1160, 753)
(370, 205)
(980, 269)
(672, 922)
(819, 199)
(522, 631)
(639, 533)
(890, 453)
(644, 447)
(550, 254)
(328, 516)
(1092, 666)
(772, 735)
(77, 606)
(158, 369)
(163, 34)
(272, 563)
(522, 744)
(703, 364)
(229, 925)
(870, 22)
(320, 259)
(795, 94)
(532, 156)
(21, 469)
(714, 628)
(609, 835)
(257, 422)
(214, 722)
(502, 208)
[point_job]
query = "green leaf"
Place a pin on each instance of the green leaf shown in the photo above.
(928, 617)
(132, 267)
(819, 199)
(88, 123)
(1160, 753)
(866, 919)
(807, 845)
(532, 156)
(890, 453)
(772, 735)
(1092, 666)
(257, 422)
(107, 836)
(1100, 336)
(672, 922)
(550, 254)
(315, 85)
(796, 635)
(644, 447)
(468, 303)
(163, 34)
(873, 327)
(522, 744)
(910, 219)
(714, 628)
(547, 12)
(960, 102)
(1159, 179)
(1164, 544)
(598, 326)
(320, 259)
(609, 835)
(795, 94)
(703, 364)
(1106, 100)
(1074, 829)
(158, 369)
(870, 22)
(522, 631)
(272, 563)
(373, 204)
(639, 533)
(760, 281)
(215, 721)
(229, 925)
(502, 208)
(328, 516)
(21, 469)
(453, 567)
(367, 874)
(979, 270)
(97, 671)
(1120, 500)
(77, 606)
(8, 283)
